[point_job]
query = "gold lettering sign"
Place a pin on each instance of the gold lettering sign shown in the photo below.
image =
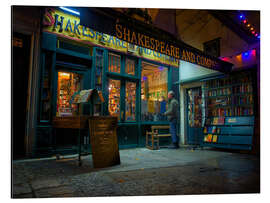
(67, 26)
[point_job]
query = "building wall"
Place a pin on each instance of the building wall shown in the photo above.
(198, 26)
(26, 20)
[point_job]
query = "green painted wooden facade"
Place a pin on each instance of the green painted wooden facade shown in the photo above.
(49, 141)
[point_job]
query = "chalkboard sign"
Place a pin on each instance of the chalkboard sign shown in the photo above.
(104, 143)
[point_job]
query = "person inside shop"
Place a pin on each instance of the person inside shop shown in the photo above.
(172, 114)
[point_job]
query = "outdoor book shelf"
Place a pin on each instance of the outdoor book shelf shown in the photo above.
(229, 121)
(233, 133)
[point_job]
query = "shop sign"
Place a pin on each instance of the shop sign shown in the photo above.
(162, 47)
(144, 36)
(68, 26)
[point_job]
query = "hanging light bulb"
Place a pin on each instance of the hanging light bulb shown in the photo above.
(245, 21)
(251, 28)
(253, 32)
(248, 25)
(256, 34)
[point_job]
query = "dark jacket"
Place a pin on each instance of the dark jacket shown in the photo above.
(172, 111)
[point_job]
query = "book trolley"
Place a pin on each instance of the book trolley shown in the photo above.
(229, 121)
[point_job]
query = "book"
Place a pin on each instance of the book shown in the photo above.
(214, 138)
(215, 121)
(221, 120)
(214, 128)
(208, 138)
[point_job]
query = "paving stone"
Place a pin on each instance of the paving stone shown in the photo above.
(20, 196)
(63, 191)
(39, 184)
(22, 188)
(165, 172)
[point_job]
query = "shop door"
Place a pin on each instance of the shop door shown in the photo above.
(20, 73)
(194, 116)
(122, 100)
(123, 104)
(69, 83)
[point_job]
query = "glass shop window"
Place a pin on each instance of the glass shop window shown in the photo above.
(114, 98)
(130, 101)
(69, 84)
(99, 69)
(130, 67)
(114, 63)
(154, 91)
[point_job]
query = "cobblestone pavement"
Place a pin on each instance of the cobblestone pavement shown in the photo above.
(141, 172)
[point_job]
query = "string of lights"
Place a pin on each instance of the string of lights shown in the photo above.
(248, 26)
(247, 55)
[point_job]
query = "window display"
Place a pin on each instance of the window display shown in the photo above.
(114, 98)
(130, 67)
(69, 84)
(130, 101)
(99, 69)
(195, 107)
(154, 91)
(114, 63)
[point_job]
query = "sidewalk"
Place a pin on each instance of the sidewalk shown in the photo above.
(141, 172)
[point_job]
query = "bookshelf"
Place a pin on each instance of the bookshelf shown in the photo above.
(229, 121)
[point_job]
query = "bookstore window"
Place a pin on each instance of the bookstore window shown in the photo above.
(114, 63)
(130, 101)
(154, 90)
(195, 110)
(99, 69)
(130, 67)
(114, 98)
(69, 84)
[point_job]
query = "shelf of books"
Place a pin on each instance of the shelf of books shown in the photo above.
(229, 111)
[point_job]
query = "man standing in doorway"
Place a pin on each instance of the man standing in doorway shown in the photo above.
(172, 114)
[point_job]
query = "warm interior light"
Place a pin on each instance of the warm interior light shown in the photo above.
(64, 74)
(248, 25)
(251, 28)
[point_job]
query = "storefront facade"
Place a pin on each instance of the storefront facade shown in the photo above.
(134, 82)
(219, 110)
